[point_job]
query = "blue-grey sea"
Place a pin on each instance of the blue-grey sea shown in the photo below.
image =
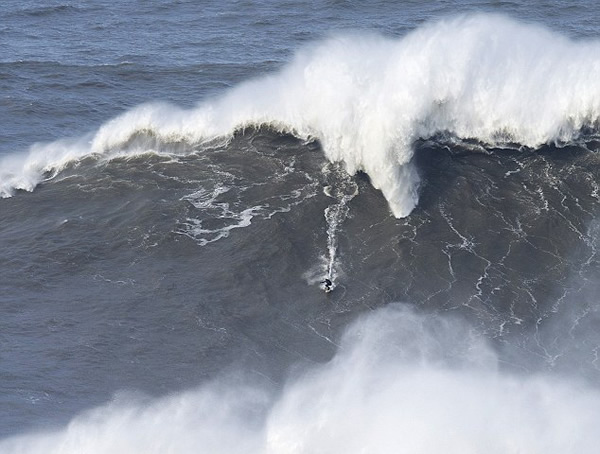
(299, 226)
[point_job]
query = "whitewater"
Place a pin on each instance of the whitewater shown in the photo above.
(366, 99)
(400, 380)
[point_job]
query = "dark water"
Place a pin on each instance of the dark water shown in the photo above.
(167, 263)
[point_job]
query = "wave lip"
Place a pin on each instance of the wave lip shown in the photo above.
(367, 98)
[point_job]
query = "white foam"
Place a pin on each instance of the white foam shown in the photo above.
(368, 98)
(401, 382)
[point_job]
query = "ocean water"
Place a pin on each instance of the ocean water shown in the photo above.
(178, 178)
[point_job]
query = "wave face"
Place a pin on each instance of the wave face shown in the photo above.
(367, 99)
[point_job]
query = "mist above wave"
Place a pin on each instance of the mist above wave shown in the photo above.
(367, 98)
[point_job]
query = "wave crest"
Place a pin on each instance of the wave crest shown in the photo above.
(367, 98)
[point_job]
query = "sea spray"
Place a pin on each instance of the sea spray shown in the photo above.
(367, 99)
(400, 382)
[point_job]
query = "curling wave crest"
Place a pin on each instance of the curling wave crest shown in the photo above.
(367, 98)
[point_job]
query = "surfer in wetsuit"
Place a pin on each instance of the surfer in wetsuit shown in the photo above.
(327, 285)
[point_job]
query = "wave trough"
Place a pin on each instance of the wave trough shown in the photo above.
(368, 98)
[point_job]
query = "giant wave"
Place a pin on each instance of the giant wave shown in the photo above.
(367, 99)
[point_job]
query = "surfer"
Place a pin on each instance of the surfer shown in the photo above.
(327, 285)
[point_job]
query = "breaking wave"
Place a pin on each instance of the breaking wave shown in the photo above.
(367, 98)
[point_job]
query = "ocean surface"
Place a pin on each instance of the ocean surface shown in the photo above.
(178, 178)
